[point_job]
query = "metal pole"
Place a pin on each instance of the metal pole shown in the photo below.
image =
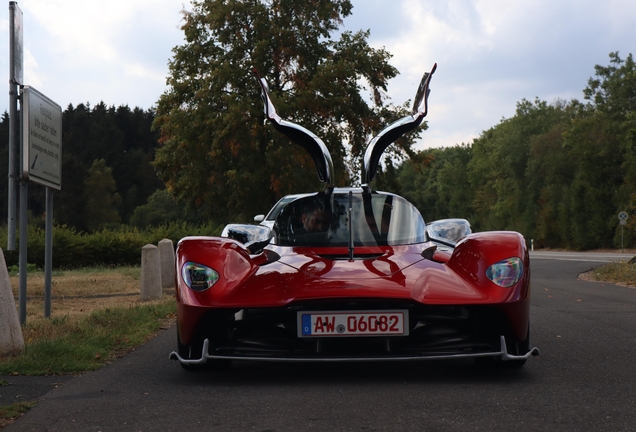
(13, 131)
(24, 236)
(622, 237)
(24, 193)
(48, 252)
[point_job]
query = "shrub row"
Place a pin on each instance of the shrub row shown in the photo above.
(114, 247)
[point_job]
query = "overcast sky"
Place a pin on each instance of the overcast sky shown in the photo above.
(490, 54)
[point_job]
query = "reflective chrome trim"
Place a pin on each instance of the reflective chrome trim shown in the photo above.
(502, 353)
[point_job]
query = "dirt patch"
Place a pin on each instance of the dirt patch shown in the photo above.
(77, 293)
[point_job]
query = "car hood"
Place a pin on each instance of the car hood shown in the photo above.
(392, 272)
(303, 274)
(367, 263)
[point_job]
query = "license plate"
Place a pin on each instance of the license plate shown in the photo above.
(353, 323)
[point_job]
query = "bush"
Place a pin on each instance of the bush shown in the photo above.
(116, 247)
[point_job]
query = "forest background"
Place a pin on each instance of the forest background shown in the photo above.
(558, 172)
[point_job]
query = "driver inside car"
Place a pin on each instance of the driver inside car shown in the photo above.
(314, 218)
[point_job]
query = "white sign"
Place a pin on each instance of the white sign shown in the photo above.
(622, 216)
(42, 144)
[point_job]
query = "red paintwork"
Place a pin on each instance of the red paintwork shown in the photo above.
(400, 272)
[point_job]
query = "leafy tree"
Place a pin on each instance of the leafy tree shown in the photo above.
(386, 178)
(498, 170)
(551, 171)
(595, 148)
(100, 196)
(613, 91)
(159, 210)
(120, 136)
(436, 181)
(558, 173)
(613, 94)
(215, 152)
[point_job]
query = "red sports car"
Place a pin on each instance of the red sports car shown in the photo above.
(352, 274)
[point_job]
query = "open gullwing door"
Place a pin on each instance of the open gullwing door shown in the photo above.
(396, 129)
(300, 135)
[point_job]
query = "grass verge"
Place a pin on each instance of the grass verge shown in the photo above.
(63, 345)
(96, 317)
(617, 273)
(12, 412)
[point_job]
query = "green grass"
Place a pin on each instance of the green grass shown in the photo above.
(11, 412)
(64, 346)
(616, 273)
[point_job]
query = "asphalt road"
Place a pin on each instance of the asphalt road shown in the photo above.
(594, 257)
(585, 379)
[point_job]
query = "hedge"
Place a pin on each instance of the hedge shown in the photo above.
(107, 247)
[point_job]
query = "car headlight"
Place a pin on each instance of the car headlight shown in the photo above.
(506, 273)
(198, 277)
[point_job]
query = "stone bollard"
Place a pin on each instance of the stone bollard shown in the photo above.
(166, 259)
(150, 273)
(11, 339)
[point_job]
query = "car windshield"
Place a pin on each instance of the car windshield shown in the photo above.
(378, 219)
(274, 212)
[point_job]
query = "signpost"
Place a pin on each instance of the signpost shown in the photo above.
(35, 137)
(42, 147)
(11, 339)
(42, 164)
(622, 218)
(15, 78)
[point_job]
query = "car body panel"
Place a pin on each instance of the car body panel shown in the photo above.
(400, 272)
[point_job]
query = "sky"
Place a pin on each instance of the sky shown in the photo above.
(491, 54)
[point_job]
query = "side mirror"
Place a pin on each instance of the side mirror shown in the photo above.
(264, 257)
(247, 233)
(259, 218)
(448, 231)
(257, 246)
(429, 252)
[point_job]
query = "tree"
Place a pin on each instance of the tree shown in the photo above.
(101, 199)
(160, 210)
(505, 196)
(120, 136)
(215, 152)
(436, 181)
(613, 91)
